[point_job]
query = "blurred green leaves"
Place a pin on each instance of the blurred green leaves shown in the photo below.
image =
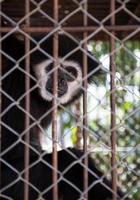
(127, 59)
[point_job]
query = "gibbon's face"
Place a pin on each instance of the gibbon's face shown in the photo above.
(70, 69)
(69, 80)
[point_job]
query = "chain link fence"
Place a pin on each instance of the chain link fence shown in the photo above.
(48, 154)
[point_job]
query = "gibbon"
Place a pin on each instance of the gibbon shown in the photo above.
(70, 72)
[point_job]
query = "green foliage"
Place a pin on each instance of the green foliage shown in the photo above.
(127, 115)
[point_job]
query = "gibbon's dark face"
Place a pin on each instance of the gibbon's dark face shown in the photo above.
(69, 80)
(70, 69)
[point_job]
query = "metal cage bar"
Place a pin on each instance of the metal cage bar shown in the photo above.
(54, 102)
(85, 120)
(112, 104)
(27, 106)
(73, 29)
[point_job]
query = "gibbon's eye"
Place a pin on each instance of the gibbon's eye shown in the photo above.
(72, 73)
(62, 84)
(49, 67)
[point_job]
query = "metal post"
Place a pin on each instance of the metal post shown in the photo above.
(71, 29)
(79, 133)
(27, 106)
(85, 120)
(54, 104)
(112, 104)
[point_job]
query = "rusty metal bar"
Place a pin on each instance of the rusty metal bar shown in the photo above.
(79, 134)
(85, 120)
(74, 29)
(112, 104)
(27, 107)
(54, 103)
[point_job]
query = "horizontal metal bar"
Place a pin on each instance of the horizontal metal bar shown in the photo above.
(116, 28)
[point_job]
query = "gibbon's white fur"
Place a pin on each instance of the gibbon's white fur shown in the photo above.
(42, 76)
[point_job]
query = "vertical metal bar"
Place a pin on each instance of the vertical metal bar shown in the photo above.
(27, 106)
(112, 104)
(54, 112)
(85, 120)
(79, 132)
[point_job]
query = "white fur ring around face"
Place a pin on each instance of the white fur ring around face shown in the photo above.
(73, 86)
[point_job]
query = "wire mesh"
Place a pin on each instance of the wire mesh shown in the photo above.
(107, 118)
